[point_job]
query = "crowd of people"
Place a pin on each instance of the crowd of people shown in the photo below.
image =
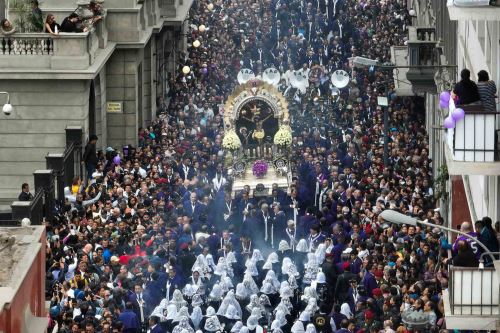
(154, 240)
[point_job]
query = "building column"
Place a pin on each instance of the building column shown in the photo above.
(494, 198)
(121, 83)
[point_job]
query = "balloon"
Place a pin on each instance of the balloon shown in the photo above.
(202, 28)
(196, 43)
(210, 6)
(458, 114)
(444, 99)
(204, 70)
(116, 159)
(186, 70)
(449, 122)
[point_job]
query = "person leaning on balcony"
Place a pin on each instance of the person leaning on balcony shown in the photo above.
(465, 256)
(465, 91)
(487, 234)
(487, 91)
(96, 10)
(51, 26)
(70, 24)
(6, 28)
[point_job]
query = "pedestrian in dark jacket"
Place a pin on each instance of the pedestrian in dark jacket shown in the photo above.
(25, 193)
(90, 156)
(69, 24)
(129, 319)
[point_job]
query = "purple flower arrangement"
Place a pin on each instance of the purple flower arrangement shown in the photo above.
(259, 168)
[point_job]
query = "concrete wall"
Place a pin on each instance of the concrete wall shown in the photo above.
(100, 108)
(149, 90)
(2, 9)
(42, 111)
(23, 302)
(165, 59)
(121, 84)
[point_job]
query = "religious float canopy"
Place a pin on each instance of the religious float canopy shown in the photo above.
(257, 137)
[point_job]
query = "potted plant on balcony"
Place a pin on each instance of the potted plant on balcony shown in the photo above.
(20, 11)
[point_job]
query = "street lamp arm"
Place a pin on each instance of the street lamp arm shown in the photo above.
(414, 66)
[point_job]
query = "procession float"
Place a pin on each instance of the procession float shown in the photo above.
(258, 135)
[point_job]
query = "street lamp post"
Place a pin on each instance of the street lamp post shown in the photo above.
(384, 103)
(398, 218)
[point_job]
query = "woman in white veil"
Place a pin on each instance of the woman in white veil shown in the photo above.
(196, 317)
(345, 309)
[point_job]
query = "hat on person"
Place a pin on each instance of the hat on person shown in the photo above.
(379, 274)
(369, 314)
(345, 265)
(377, 292)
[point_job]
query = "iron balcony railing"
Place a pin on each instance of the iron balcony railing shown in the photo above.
(476, 136)
(474, 291)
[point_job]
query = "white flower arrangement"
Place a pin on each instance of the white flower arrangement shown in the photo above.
(283, 137)
(231, 140)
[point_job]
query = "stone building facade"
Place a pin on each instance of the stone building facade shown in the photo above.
(106, 80)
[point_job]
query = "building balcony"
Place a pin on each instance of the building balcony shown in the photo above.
(45, 51)
(471, 301)
(422, 58)
(473, 146)
(466, 10)
(399, 57)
